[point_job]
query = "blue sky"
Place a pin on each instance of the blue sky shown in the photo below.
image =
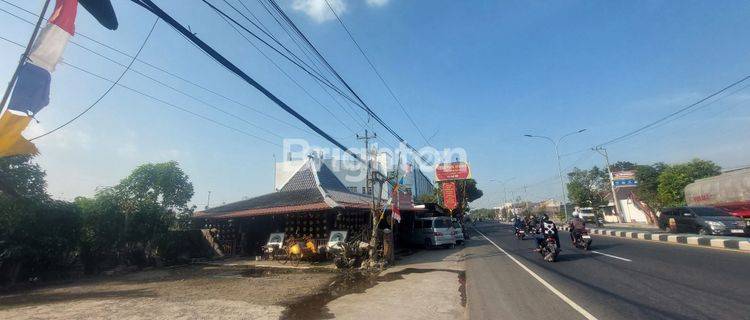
(478, 75)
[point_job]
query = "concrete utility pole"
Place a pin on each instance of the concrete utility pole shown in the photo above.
(618, 208)
(559, 165)
(370, 188)
(208, 200)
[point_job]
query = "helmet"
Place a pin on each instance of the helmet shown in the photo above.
(544, 217)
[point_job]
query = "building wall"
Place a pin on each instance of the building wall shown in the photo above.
(630, 211)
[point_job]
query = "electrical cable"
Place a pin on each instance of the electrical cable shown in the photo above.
(157, 68)
(143, 45)
(154, 98)
(380, 76)
(153, 8)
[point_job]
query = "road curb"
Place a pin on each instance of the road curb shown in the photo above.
(697, 241)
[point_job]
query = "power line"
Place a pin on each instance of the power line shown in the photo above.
(155, 98)
(359, 121)
(304, 68)
(372, 65)
(143, 45)
(675, 113)
(288, 76)
(153, 8)
(160, 69)
(338, 76)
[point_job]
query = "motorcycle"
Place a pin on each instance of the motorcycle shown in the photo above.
(520, 234)
(599, 222)
(582, 240)
(549, 249)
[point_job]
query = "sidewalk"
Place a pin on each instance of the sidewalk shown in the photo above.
(655, 234)
(429, 284)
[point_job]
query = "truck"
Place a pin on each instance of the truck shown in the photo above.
(729, 191)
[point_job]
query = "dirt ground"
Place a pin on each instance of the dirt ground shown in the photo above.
(189, 292)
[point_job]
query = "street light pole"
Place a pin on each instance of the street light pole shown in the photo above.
(559, 165)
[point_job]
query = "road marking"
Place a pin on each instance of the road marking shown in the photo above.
(611, 256)
(567, 300)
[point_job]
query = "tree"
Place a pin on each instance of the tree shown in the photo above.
(623, 166)
(673, 180)
(588, 188)
(646, 192)
(161, 183)
(467, 191)
(19, 177)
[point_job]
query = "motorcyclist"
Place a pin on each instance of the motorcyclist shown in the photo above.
(531, 224)
(576, 226)
(519, 224)
(547, 228)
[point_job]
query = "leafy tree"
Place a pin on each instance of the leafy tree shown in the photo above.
(37, 234)
(161, 183)
(588, 188)
(673, 180)
(467, 191)
(646, 191)
(19, 177)
(623, 166)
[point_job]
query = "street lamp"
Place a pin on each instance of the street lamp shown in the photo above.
(559, 166)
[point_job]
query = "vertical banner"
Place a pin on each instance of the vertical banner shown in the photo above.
(450, 201)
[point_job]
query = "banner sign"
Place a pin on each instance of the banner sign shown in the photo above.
(452, 171)
(624, 178)
(450, 201)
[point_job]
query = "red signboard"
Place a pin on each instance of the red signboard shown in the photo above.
(450, 201)
(452, 171)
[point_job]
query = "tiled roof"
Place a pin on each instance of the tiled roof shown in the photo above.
(303, 179)
(305, 191)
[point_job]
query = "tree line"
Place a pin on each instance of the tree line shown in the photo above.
(659, 185)
(133, 223)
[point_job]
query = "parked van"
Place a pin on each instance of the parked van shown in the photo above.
(433, 231)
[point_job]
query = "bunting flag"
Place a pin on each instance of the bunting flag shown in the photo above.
(11, 141)
(31, 92)
(395, 209)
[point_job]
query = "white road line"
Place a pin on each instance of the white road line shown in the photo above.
(611, 256)
(567, 300)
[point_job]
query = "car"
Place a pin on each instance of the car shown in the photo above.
(458, 231)
(702, 220)
(587, 214)
(432, 232)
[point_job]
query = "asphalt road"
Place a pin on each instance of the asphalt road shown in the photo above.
(618, 279)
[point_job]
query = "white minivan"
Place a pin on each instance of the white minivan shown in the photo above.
(433, 231)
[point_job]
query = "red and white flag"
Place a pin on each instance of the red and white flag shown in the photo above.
(31, 92)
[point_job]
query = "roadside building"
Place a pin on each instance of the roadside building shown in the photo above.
(310, 203)
(353, 175)
(632, 210)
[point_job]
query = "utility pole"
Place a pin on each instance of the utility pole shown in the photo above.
(23, 56)
(604, 154)
(274, 173)
(370, 188)
(208, 201)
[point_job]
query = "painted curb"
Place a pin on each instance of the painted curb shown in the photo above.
(738, 244)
